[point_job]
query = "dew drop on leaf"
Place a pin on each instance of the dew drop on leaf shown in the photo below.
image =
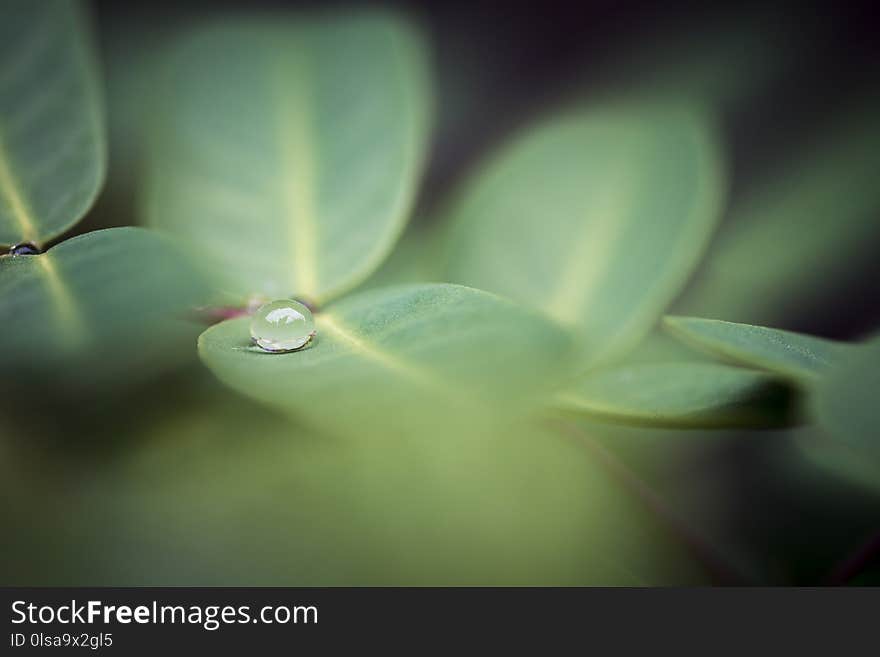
(25, 248)
(282, 326)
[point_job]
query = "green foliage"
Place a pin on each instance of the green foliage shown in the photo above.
(113, 303)
(781, 249)
(792, 355)
(683, 394)
(432, 433)
(597, 218)
(846, 399)
(52, 143)
(408, 353)
(287, 152)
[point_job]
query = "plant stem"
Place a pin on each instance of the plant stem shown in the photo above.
(213, 315)
(721, 571)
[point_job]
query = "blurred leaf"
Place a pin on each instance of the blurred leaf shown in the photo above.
(847, 399)
(103, 307)
(792, 355)
(409, 352)
(52, 142)
(288, 152)
(849, 459)
(660, 347)
(799, 237)
(223, 492)
(414, 259)
(686, 394)
(597, 218)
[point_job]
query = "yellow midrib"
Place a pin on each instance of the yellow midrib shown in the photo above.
(383, 358)
(69, 317)
(18, 205)
(298, 172)
(581, 274)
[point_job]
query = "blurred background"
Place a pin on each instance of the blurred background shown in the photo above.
(144, 487)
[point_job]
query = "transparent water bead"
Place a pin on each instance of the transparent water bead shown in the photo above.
(282, 326)
(25, 248)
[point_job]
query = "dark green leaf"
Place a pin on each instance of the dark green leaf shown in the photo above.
(685, 394)
(780, 253)
(106, 306)
(847, 399)
(52, 142)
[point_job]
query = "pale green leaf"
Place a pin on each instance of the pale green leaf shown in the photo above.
(106, 306)
(52, 142)
(847, 400)
(685, 394)
(597, 218)
(288, 151)
(399, 351)
(792, 355)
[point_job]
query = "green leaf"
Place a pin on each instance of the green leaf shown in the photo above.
(780, 252)
(847, 399)
(288, 152)
(52, 142)
(597, 218)
(685, 394)
(405, 351)
(792, 355)
(106, 307)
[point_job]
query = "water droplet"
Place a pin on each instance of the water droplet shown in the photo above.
(25, 248)
(281, 326)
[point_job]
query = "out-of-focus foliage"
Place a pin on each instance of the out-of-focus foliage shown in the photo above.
(220, 491)
(52, 150)
(416, 258)
(839, 455)
(597, 218)
(798, 236)
(846, 399)
(114, 304)
(420, 438)
(288, 151)
(793, 355)
(685, 394)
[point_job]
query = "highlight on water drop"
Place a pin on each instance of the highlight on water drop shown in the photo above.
(282, 326)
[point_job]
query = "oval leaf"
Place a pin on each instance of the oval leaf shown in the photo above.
(52, 143)
(682, 394)
(597, 218)
(792, 355)
(102, 307)
(821, 203)
(288, 152)
(847, 400)
(400, 350)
